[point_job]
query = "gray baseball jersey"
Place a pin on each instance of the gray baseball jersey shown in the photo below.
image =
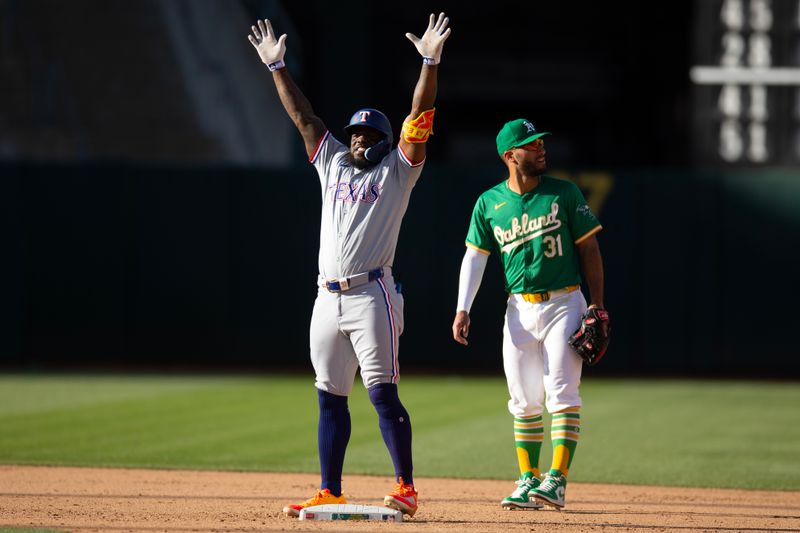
(361, 210)
(361, 215)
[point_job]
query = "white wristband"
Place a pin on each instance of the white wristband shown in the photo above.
(429, 60)
(279, 64)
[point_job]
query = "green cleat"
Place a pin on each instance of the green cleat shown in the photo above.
(552, 490)
(520, 498)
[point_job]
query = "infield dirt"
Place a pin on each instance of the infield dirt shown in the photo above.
(120, 500)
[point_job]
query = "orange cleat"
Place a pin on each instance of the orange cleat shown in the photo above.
(322, 497)
(403, 498)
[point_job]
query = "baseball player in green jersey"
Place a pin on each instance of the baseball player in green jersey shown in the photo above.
(544, 234)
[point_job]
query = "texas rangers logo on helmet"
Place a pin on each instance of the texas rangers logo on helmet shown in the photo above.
(364, 115)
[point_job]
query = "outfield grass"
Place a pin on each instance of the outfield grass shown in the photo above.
(662, 432)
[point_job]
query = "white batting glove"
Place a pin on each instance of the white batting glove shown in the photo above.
(270, 50)
(432, 41)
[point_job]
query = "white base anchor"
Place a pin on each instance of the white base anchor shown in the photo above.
(347, 511)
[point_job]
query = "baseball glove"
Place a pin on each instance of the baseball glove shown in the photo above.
(590, 341)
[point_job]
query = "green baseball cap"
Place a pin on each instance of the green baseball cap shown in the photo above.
(516, 133)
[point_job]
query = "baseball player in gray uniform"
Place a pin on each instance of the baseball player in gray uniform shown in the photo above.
(358, 314)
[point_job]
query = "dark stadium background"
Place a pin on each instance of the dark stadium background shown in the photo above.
(157, 211)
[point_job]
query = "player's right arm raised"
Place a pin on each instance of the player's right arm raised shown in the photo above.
(271, 52)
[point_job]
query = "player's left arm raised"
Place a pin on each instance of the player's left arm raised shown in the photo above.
(592, 268)
(419, 123)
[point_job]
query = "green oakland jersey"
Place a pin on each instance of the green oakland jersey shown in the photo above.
(535, 233)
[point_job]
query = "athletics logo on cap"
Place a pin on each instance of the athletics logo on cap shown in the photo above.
(516, 133)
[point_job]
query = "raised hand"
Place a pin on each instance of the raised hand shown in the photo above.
(270, 50)
(430, 44)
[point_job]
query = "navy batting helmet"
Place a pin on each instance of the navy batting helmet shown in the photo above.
(372, 118)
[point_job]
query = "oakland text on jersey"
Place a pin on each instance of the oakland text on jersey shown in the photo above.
(528, 229)
(356, 192)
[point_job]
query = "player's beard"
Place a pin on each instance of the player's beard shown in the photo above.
(360, 162)
(533, 168)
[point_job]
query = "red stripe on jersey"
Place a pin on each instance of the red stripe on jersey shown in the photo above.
(319, 147)
(406, 159)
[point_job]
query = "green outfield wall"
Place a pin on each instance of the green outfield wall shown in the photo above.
(113, 264)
